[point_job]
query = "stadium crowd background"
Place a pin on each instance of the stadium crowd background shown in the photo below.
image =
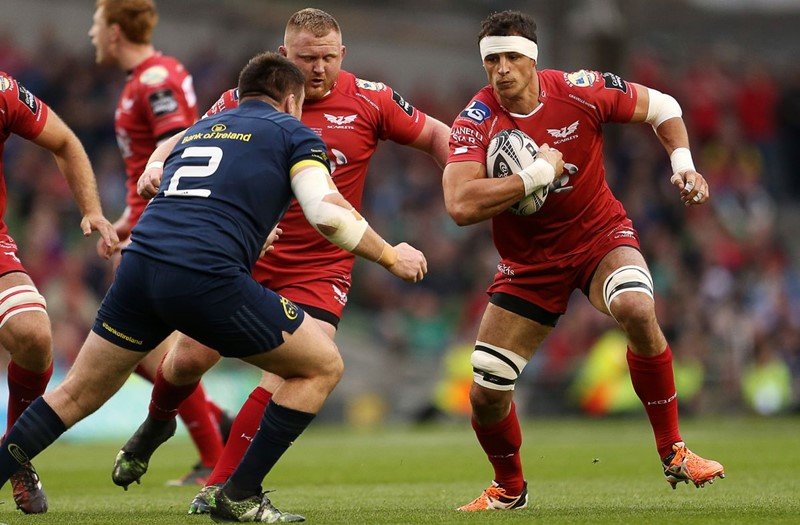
(727, 274)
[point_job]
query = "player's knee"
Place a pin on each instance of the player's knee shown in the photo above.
(628, 295)
(32, 346)
(333, 365)
(496, 368)
(185, 367)
(633, 310)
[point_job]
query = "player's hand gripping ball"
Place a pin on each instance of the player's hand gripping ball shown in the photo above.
(509, 152)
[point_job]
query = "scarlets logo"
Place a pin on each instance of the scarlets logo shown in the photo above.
(564, 132)
(340, 120)
(477, 111)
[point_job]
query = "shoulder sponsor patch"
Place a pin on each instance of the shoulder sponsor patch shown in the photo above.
(370, 85)
(582, 78)
(153, 76)
(27, 98)
(162, 102)
(405, 106)
(5, 84)
(613, 81)
(477, 111)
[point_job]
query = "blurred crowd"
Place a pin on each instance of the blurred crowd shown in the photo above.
(728, 287)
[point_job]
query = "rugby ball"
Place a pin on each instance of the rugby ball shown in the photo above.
(510, 151)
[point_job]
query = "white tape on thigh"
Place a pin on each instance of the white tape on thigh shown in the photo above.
(18, 299)
(496, 368)
(627, 279)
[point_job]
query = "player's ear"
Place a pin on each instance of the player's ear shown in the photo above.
(344, 51)
(282, 51)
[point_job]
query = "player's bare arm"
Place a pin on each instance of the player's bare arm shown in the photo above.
(664, 114)
(336, 219)
(74, 164)
(471, 197)
(433, 140)
(150, 179)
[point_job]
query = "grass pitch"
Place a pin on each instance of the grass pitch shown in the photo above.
(579, 471)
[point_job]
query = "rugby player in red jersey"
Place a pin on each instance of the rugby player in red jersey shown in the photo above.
(24, 325)
(579, 239)
(158, 100)
(351, 116)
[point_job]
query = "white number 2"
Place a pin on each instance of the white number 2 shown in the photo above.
(214, 156)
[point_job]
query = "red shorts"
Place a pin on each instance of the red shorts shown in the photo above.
(549, 284)
(9, 261)
(323, 296)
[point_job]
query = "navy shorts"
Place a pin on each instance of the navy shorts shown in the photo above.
(234, 315)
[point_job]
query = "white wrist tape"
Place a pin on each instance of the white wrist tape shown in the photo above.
(311, 184)
(539, 173)
(681, 160)
(661, 108)
(155, 164)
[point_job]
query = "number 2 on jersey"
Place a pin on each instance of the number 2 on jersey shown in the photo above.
(214, 156)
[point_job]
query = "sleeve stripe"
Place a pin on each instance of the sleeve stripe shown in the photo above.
(306, 163)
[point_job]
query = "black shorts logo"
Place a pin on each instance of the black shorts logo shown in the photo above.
(405, 106)
(162, 102)
(290, 309)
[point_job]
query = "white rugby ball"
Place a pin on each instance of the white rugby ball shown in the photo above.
(510, 151)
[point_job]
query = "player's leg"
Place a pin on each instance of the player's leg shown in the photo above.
(176, 380)
(311, 366)
(195, 413)
(25, 333)
(98, 373)
(507, 339)
(623, 288)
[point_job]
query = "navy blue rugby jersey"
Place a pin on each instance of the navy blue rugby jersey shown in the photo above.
(225, 186)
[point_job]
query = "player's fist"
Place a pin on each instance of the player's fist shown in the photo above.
(553, 157)
(693, 186)
(149, 181)
(411, 265)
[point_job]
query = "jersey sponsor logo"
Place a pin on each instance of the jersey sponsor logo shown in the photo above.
(322, 156)
(585, 103)
(163, 102)
(477, 111)
(4, 84)
(582, 78)
(405, 106)
(505, 269)
(340, 122)
(289, 309)
(463, 134)
(369, 85)
(153, 76)
(613, 81)
(27, 98)
(564, 132)
(218, 132)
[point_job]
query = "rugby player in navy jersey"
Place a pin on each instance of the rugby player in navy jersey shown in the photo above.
(225, 186)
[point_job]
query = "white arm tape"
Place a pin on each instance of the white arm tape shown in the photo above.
(539, 173)
(155, 164)
(344, 228)
(681, 160)
(661, 108)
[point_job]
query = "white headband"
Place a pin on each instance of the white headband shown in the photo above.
(505, 44)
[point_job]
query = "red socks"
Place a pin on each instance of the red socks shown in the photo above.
(24, 387)
(654, 383)
(244, 428)
(189, 401)
(501, 441)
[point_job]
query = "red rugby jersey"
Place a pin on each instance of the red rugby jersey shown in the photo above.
(21, 113)
(351, 119)
(572, 108)
(157, 101)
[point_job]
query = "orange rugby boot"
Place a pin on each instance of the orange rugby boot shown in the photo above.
(684, 465)
(495, 498)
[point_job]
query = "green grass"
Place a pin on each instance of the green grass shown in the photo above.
(336, 475)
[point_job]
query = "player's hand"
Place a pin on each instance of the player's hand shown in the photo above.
(271, 238)
(411, 265)
(553, 157)
(694, 188)
(560, 184)
(149, 181)
(108, 240)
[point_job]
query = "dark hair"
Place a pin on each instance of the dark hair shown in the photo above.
(270, 74)
(508, 23)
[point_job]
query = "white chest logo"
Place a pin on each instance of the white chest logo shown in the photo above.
(340, 120)
(564, 132)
